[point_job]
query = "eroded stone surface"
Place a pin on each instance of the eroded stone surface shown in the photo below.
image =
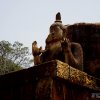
(76, 76)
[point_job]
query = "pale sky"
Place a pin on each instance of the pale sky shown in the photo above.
(29, 20)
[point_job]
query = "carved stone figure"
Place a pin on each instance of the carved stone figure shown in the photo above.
(59, 47)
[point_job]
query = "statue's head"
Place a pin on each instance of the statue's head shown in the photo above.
(57, 28)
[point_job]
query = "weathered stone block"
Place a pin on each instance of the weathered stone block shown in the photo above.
(53, 80)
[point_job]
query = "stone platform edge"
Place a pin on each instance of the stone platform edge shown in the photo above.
(53, 69)
(58, 69)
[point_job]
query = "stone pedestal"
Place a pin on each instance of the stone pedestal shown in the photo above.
(63, 82)
(53, 80)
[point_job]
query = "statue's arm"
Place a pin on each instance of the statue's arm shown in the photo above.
(77, 54)
(73, 54)
(35, 51)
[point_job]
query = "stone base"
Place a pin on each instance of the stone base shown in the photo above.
(53, 80)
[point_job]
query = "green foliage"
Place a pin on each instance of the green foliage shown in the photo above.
(13, 57)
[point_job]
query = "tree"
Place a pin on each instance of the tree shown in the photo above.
(13, 57)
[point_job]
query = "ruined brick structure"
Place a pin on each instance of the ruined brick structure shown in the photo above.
(88, 35)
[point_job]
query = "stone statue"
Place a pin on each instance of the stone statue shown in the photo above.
(58, 46)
